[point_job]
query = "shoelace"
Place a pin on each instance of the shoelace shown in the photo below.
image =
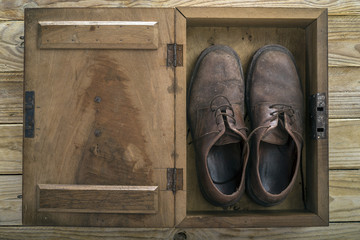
(221, 113)
(217, 114)
(280, 111)
(279, 114)
(223, 106)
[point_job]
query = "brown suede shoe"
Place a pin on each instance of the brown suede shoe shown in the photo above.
(215, 115)
(275, 104)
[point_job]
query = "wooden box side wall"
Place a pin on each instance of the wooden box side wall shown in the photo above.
(317, 155)
(317, 192)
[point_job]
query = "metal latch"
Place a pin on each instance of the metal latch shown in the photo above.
(174, 55)
(174, 179)
(318, 116)
(29, 124)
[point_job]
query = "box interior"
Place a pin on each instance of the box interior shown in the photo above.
(246, 39)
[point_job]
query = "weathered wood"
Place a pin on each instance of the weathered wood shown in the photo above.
(246, 40)
(97, 198)
(250, 219)
(11, 98)
(179, 89)
(344, 53)
(13, 10)
(344, 151)
(344, 28)
(344, 47)
(265, 17)
(317, 150)
(10, 200)
(102, 117)
(344, 145)
(11, 46)
(343, 44)
(11, 77)
(334, 231)
(345, 195)
(98, 34)
(344, 92)
(11, 149)
(338, 97)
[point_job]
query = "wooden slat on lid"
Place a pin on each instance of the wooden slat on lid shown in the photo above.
(98, 34)
(97, 198)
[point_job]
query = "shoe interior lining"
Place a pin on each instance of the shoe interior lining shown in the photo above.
(225, 166)
(277, 165)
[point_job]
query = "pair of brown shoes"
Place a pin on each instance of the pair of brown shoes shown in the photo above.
(216, 107)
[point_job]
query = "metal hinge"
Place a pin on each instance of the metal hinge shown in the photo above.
(318, 116)
(174, 55)
(174, 179)
(29, 114)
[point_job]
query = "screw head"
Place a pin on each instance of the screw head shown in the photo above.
(97, 132)
(97, 99)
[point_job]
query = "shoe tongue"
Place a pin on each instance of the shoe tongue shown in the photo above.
(277, 135)
(228, 137)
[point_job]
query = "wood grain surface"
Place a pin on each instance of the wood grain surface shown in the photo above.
(11, 149)
(344, 28)
(344, 49)
(11, 46)
(344, 145)
(344, 45)
(344, 53)
(180, 119)
(345, 195)
(344, 92)
(344, 152)
(98, 35)
(112, 119)
(97, 198)
(10, 200)
(11, 97)
(263, 17)
(13, 10)
(334, 231)
(344, 101)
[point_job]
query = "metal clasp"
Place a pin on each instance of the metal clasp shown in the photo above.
(318, 116)
(29, 121)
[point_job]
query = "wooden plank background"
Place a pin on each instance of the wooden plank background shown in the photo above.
(344, 112)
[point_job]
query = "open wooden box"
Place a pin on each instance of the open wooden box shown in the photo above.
(105, 114)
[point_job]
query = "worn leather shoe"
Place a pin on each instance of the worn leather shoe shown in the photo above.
(215, 115)
(275, 104)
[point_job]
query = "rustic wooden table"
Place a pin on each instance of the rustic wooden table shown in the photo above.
(344, 113)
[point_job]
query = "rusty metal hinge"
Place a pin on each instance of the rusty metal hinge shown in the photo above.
(174, 55)
(318, 116)
(174, 179)
(29, 121)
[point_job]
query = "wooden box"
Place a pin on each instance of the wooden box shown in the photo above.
(105, 132)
